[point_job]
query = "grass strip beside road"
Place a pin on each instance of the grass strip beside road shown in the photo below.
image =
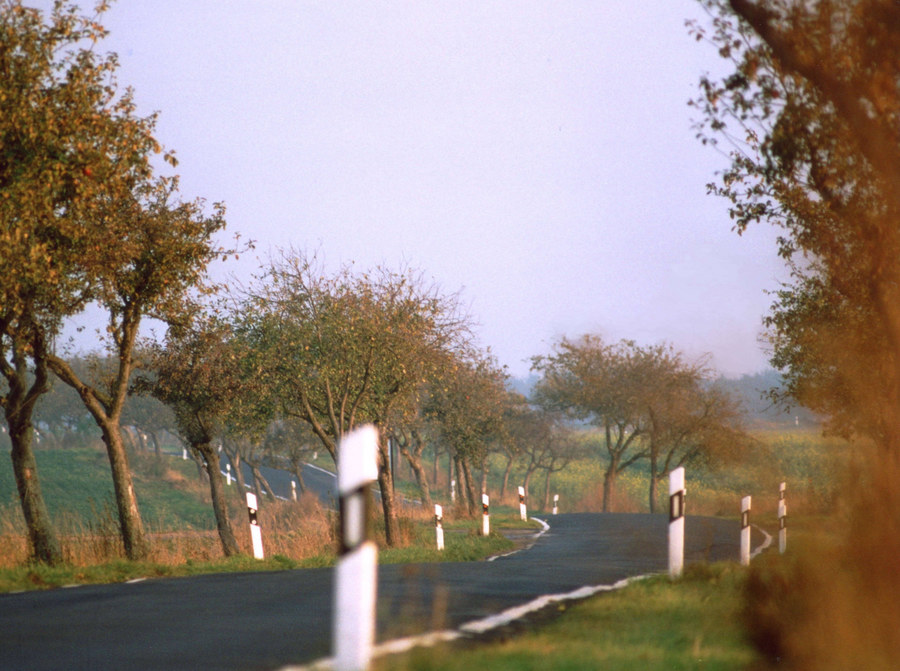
(466, 546)
(651, 625)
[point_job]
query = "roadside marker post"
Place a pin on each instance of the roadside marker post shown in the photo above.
(453, 490)
(439, 526)
(485, 515)
(556, 504)
(228, 474)
(184, 454)
(745, 531)
(676, 522)
(782, 519)
(353, 626)
(255, 531)
(523, 510)
(293, 490)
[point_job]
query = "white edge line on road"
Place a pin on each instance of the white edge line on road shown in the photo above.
(493, 621)
(544, 528)
(765, 544)
(319, 468)
(476, 626)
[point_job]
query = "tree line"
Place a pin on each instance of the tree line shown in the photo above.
(807, 114)
(303, 352)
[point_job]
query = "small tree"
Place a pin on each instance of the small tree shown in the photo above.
(590, 380)
(466, 406)
(688, 419)
(196, 374)
(338, 350)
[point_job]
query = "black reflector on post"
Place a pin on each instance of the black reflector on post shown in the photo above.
(676, 506)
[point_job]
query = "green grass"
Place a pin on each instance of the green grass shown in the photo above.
(77, 486)
(653, 624)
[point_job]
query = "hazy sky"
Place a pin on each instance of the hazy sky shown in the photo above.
(537, 155)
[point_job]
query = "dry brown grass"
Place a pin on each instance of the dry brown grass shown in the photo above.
(296, 530)
(620, 501)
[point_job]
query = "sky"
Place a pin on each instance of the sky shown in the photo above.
(539, 157)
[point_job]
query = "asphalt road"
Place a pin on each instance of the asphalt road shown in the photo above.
(269, 620)
(316, 480)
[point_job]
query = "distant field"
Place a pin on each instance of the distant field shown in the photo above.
(802, 458)
(78, 490)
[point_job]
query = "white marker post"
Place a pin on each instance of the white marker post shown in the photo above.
(353, 626)
(293, 490)
(523, 510)
(184, 453)
(676, 522)
(255, 531)
(228, 474)
(556, 504)
(485, 515)
(745, 531)
(782, 519)
(439, 526)
(453, 491)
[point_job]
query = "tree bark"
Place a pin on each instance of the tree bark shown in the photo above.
(220, 508)
(386, 483)
(609, 480)
(134, 537)
(469, 486)
(262, 484)
(41, 534)
(422, 481)
(18, 409)
(106, 414)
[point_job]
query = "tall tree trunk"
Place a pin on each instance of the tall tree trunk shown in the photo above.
(385, 482)
(609, 481)
(134, 537)
(654, 481)
(107, 413)
(422, 481)
(41, 534)
(297, 470)
(469, 486)
(261, 483)
(18, 409)
(220, 508)
(462, 488)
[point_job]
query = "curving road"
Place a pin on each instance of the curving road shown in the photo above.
(269, 620)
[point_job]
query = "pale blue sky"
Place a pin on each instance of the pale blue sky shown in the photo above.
(537, 155)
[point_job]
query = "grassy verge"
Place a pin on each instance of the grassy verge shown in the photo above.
(654, 624)
(463, 545)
